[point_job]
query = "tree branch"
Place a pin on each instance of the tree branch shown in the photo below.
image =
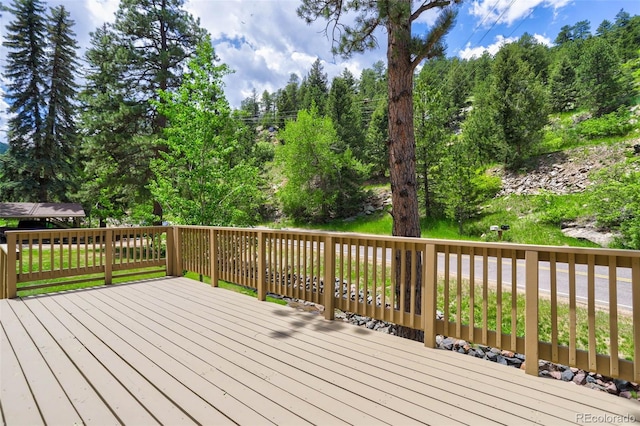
(428, 5)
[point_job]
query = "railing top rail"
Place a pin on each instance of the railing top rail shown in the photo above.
(440, 242)
(133, 228)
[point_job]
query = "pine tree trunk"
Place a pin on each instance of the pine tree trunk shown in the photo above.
(402, 150)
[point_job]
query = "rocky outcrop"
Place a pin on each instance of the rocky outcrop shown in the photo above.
(562, 172)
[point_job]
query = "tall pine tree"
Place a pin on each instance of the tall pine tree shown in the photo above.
(155, 39)
(41, 92)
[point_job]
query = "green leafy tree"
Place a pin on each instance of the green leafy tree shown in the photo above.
(320, 183)
(198, 179)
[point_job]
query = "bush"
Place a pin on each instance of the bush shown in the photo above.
(613, 124)
(616, 200)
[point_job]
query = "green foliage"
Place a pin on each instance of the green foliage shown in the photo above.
(198, 179)
(604, 86)
(518, 103)
(557, 209)
(320, 182)
(145, 50)
(612, 124)
(40, 68)
(345, 116)
(432, 117)
(376, 149)
(563, 88)
(616, 200)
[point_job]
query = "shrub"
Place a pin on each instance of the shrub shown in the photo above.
(613, 124)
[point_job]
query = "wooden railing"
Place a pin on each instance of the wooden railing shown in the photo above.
(486, 293)
(47, 258)
(453, 288)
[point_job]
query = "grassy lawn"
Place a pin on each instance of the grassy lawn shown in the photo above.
(234, 287)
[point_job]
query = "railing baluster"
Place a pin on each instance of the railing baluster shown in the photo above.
(459, 292)
(485, 296)
(472, 293)
(531, 310)
(554, 307)
(591, 311)
(499, 298)
(447, 270)
(572, 310)
(635, 294)
(613, 317)
(514, 300)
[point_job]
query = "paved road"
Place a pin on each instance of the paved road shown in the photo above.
(623, 276)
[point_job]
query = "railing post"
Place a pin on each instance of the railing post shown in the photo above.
(176, 259)
(531, 313)
(429, 295)
(329, 277)
(169, 255)
(12, 258)
(108, 256)
(262, 256)
(213, 255)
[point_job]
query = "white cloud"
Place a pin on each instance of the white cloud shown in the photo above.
(475, 52)
(543, 40)
(509, 11)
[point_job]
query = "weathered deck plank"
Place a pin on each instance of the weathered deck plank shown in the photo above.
(176, 351)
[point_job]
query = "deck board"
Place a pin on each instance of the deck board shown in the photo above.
(176, 351)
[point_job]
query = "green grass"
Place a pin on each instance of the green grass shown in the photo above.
(95, 280)
(625, 321)
(234, 287)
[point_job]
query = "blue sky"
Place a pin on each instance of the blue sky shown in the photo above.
(264, 41)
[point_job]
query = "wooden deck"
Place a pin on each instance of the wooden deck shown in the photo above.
(175, 351)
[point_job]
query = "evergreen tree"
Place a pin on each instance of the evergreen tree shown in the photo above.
(113, 164)
(432, 118)
(154, 41)
(601, 79)
(376, 148)
(36, 167)
(60, 126)
(518, 100)
(563, 89)
(316, 88)
(345, 116)
(288, 100)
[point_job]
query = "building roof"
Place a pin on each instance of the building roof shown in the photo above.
(40, 210)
